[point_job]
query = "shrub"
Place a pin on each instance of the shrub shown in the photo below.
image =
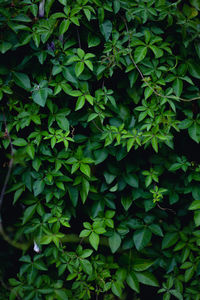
(99, 127)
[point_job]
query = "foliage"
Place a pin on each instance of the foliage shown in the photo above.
(100, 120)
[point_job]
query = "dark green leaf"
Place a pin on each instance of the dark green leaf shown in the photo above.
(106, 29)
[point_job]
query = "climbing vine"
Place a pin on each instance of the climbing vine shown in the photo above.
(100, 127)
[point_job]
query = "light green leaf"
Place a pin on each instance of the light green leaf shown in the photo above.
(197, 218)
(79, 68)
(30, 151)
(94, 240)
(157, 51)
(64, 26)
(140, 53)
(19, 142)
(80, 102)
(62, 121)
(194, 205)
(85, 169)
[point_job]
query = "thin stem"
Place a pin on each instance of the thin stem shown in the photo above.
(9, 166)
(79, 40)
(164, 208)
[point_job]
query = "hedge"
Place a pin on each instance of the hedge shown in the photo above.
(100, 127)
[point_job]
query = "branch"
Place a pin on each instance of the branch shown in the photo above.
(164, 208)
(7, 135)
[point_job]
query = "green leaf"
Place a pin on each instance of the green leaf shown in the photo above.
(132, 180)
(79, 68)
(147, 278)
(166, 296)
(194, 205)
(22, 80)
(197, 218)
(94, 240)
(156, 229)
(140, 264)
(40, 96)
(106, 29)
(194, 69)
(62, 121)
(17, 194)
(157, 51)
(60, 185)
(189, 274)
(142, 238)
(85, 233)
(116, 288)
(5, 46)
(178, 86)
(126, 202)
(85, 169)
(194, 132)
(116, 6)
(61, 294)
(114, 242)
(38, 187)
(29, 212)
(64, 26)
(19, 142)
(169, 239)
(132, 281)
(80, 102)
(86, 265)
(93, 40)
(140, 53)
(73, 194)
(176, 294)
(30, 151)
(86, 253)
(154, 143)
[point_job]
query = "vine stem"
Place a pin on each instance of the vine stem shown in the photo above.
(9, 166)
(143, 78)
(164, 208)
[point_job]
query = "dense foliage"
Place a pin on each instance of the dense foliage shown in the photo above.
(99, 126)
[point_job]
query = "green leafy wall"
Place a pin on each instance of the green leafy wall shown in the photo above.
(100, 128)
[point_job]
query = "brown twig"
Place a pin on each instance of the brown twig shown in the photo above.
(165, 208)
(79, 40)
(97, 126)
